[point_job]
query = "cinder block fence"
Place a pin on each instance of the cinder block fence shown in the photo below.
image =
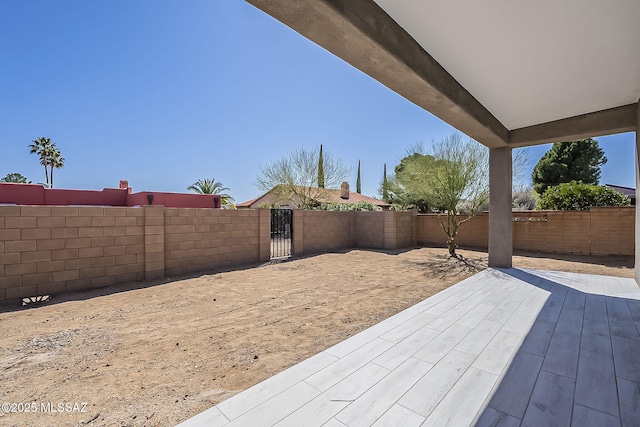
(51, 249)
(45, 249)
(599, 231)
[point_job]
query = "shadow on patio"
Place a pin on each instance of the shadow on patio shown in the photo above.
(579, 364)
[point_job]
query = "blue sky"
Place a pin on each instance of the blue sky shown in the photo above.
(163, 93)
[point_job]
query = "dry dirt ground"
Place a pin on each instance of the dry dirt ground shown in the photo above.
(156, 354)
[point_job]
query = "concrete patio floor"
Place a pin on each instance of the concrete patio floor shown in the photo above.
(510, 347)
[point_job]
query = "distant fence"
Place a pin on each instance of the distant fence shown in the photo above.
(51, 249)
(599, 231)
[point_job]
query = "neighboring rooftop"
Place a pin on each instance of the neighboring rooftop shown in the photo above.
(627, 191)
(37, 194)
(343, 195)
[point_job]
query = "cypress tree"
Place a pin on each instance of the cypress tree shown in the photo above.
(385, 186)
(320, 170)
(358, 183)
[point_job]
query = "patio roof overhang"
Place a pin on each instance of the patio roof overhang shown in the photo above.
(507, 74)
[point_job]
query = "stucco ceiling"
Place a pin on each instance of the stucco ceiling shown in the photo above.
(531, 62)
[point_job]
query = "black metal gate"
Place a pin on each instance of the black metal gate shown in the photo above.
(281, 233)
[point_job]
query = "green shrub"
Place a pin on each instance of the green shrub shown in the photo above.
(360, 206)
(576, 196)
(400, 207)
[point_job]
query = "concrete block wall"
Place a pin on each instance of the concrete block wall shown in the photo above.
(46, 250)
(368, 229)
(613, 231)
(321, 231)
(599, 231)
(404, 226)
(536, 230)
(553, 231)
(205, 239)
(154, 242)
(474, 232)
(298, 231)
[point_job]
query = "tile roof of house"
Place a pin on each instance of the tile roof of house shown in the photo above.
(247, 203)
(331, 196)
(334, 196)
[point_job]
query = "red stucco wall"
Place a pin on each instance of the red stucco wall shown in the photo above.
(36, 194)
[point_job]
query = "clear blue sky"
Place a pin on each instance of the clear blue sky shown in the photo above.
(163, 93)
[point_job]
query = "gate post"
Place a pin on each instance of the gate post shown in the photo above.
(264, 233)
(298, 232)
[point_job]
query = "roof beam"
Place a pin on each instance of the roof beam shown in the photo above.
(362, 34)
(599, 123)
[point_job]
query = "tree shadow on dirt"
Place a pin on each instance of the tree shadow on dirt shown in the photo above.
(446, 266)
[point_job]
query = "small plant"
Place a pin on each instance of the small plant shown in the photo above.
(405, 207)
(360, 206)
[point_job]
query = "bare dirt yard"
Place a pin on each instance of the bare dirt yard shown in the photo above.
(156, 354)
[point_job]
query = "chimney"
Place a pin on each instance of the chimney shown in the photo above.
(344, 191)
(124, 185)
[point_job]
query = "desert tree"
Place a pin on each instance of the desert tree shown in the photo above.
(405, 187)
(211, 186)
(453, 180)
(294, 178)
(358, 181)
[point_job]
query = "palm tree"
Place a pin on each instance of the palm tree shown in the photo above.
(55, 161)
(49, 155)
(42, 147)
(211, 186)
